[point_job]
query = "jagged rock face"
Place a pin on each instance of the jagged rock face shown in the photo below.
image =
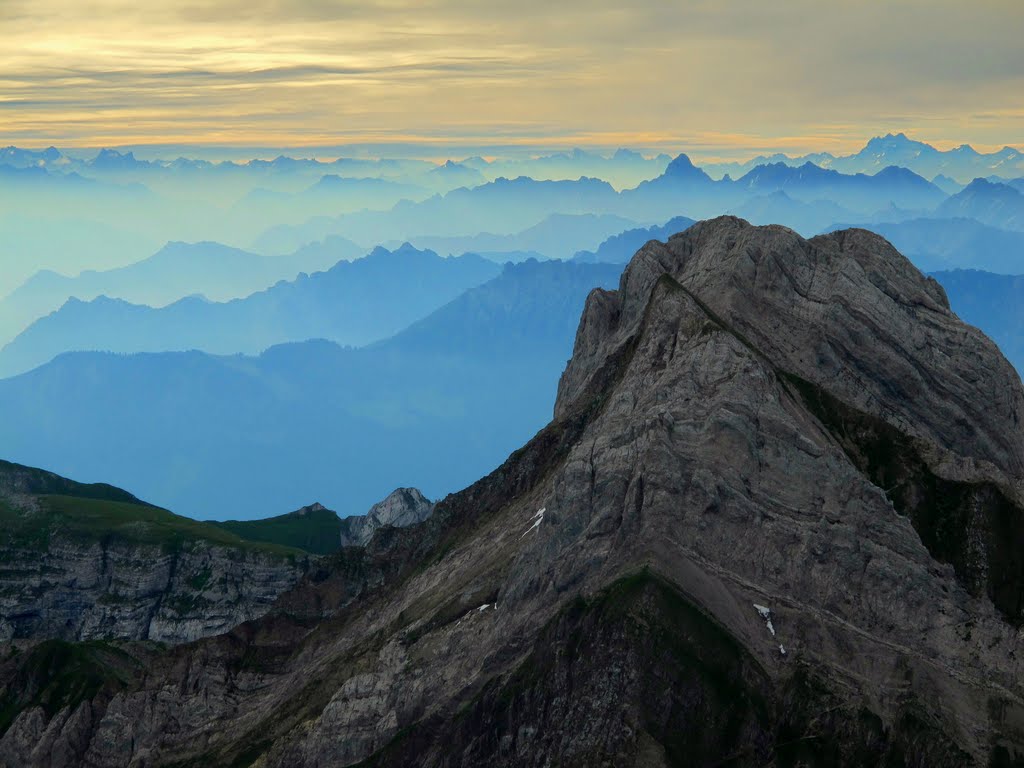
(845, 311)
(846, 316)
(741, 540)
(124, 590)
(402, 507)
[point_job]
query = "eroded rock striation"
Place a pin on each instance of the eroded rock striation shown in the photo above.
(137, 591)
(775, 521)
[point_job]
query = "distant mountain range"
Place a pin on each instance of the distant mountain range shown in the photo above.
(803, 198)
(69, 211)
(330, 195)
(779, 208)
(352, 303)
(999, 205)
(890, 185)
(962, 164)
(943, 244)
(624, 168)
(437, 405)
(620, 248)
(212, 270)
(452, 175)
(310, 307)
(558, 236)
(114, 162)
(506, 206)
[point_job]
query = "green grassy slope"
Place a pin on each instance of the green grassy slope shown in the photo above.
(314, 530)
(34, 504)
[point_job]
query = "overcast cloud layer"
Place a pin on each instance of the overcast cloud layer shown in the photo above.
(717, 77)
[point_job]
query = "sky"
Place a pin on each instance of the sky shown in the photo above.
(718, 78)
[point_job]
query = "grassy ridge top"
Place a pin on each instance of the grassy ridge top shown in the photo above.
(35, 504)
(314, 530)
(18, 478)
(89, 520)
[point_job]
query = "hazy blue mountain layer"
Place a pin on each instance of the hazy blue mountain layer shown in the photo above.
(936, 244)
(435, 407)
(71, 212)
(807, 218)
(509, 205)
(962, 163)
(215, 271)
(994, 303)
(999, 205)
(808, 182)
(352, 303)
(503, 206)
(558, 236)
(618, 249)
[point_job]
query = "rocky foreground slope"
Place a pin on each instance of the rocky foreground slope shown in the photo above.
(776, 520)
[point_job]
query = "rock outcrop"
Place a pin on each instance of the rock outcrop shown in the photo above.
(89, 562)
(775, 521)
(401, 508)
(102, 590)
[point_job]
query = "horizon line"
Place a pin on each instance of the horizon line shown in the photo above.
(707, 149)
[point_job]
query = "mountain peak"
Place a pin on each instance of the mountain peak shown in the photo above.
(984, 186)
(727, 336)
(966, 149)
(895, 142)
(400, 508)
(899, 173)
(310, 509)
(682, 168)
(715, 249)
(893, 139)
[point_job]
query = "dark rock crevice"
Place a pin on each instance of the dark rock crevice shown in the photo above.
(974, 527)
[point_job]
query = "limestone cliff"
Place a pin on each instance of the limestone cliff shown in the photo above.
(85, 562)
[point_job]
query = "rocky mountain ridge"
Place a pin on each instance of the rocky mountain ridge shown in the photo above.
(774, 521)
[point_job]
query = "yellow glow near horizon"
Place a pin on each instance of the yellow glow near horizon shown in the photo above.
(717, 79)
